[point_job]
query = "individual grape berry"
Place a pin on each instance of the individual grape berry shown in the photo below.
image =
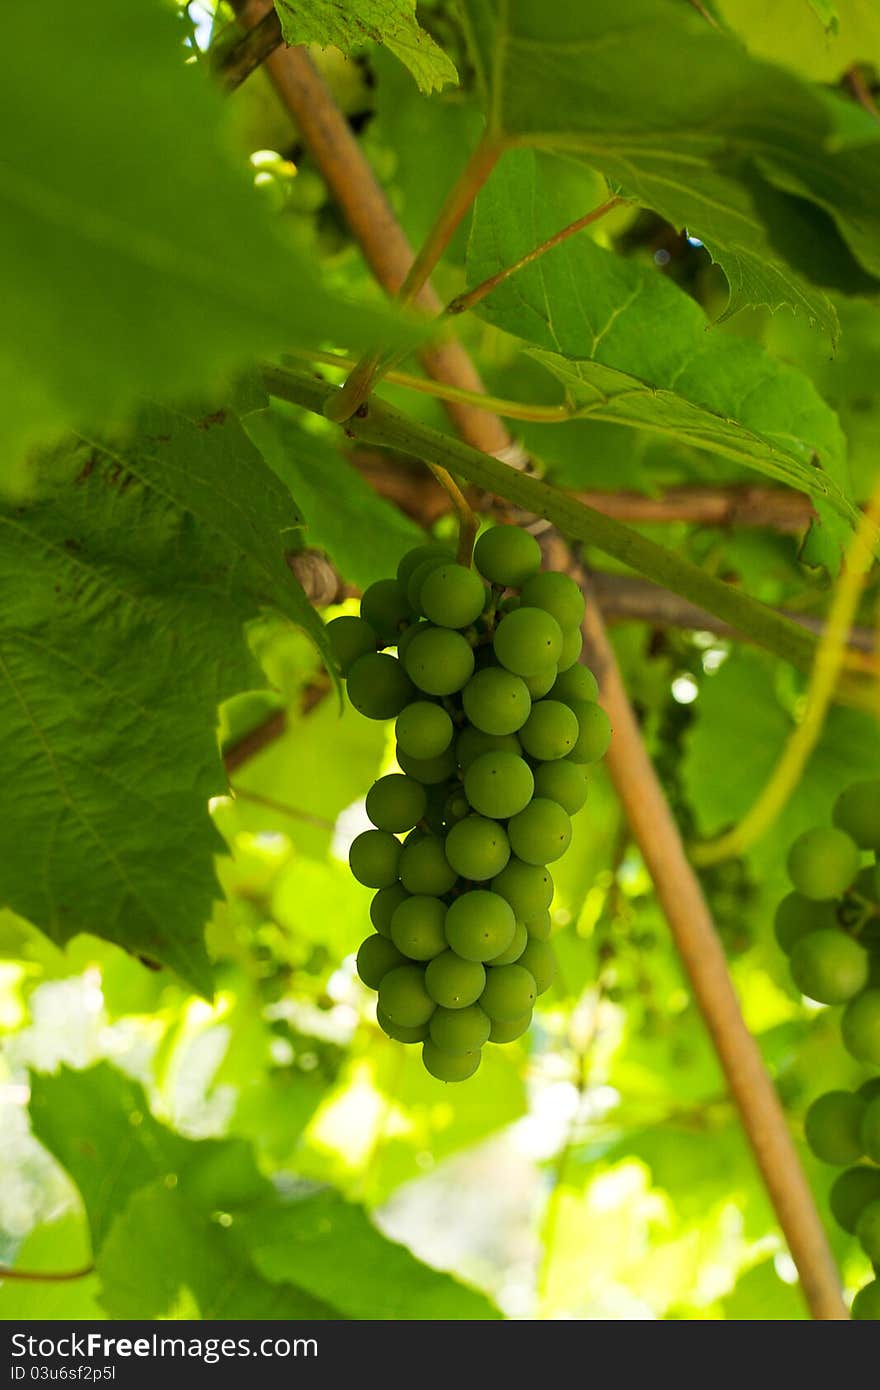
(424, 868)
(540, 685)
(869, 1132)
(527, 641)
(429, 771)
(823, 862)
(408, 636)
(350, 638)
(446, 1066)
(376, 956)
(572, 646)
(378, 686)
(516, 947)
(868, 1231)
(473, 743)
(551, 731)
(538, 958)
(860, 1027)
(374, 857)
(477, 848)
(866, 1304)
(797, 916)
(403, 998)
(527, 887)
(459, 1030)
(439, 661)
(557, 595)
(454, 983)
(540, 833)
(562, 781)
(413, 558)
(452, 596)
(511, 1030)
(857, 813)
(384, 905)
(851, 1193)
(832, 1127)
(387, 609)
(539, 927)
(507, 556)
(499, 784)
(595, 732)
(418, 577)
(577, 683)
(398, 1032)
(423, 730)
(497, 702)
(479, 925)
(829, 966)
(417, 927)
(509, 993)
(456, 807)
(396, 803)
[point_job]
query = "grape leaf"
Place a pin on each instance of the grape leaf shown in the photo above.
(389, 22)
(673, 130)
(631, 347)
(134, 258)
(123, 600)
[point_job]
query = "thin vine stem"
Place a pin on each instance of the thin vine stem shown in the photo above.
(468, 523)
(34, 1276)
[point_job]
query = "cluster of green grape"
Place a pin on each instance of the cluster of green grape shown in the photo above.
(495, 723)
(830, 929)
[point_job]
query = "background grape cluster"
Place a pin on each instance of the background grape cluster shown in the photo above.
(830, 929)
(496, 721)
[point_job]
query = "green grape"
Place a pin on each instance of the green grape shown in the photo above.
(384, 905)
(459, 1030)
(868, 1231)
(557, 595)
(527, 641)
(860, 1027)
(594, 732)
(851, 1193)
(413, 558)
(507, 556)
(387, 609)
(551, 731)
(822, 863)
(350, 638)
(832, 1127)
(417, 927)
(454, 983)
(572, 646)
(479, 925)
(403, 998)
(423, 730)
(446, 1066)
(424, 868)
(796, 916)
(452, 596)
(429, 771)
(456, 807)
(540, 685)
(473, 743)
(866, 1304)
(499, 784)
(539, 927)
(829, 966)
(527, 887)
(562, 781)
(376, 956)
(509, 993)
(408, 636)
(577, 683)
(857, 813)
(418, 577)
(378, 686)
(540, 833)
(497, 702)
(516, 947)
(374, 857)
(439, 661)
(869, 1134)
(398, 1032)
(511, 1030)
(477, 848)
(540, 961)
(396, 803)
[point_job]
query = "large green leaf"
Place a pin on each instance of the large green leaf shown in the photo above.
(389, 22)
(632, 348)
(134, 258)
(123, 600)
(676, 112)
